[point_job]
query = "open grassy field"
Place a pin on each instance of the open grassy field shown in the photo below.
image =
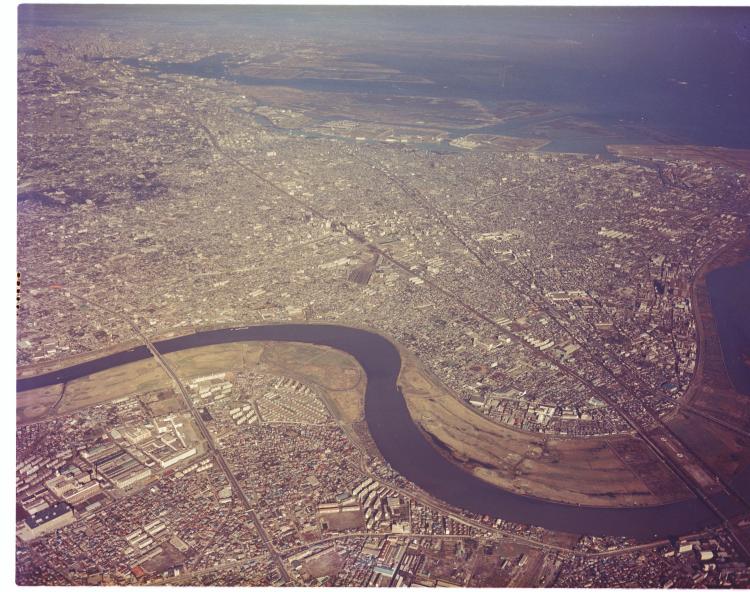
(338, 374)
(613, 472)
(100, 387)
(147, 375)
(584, 471)
(36, 403)
(725, 450)
(163, 402)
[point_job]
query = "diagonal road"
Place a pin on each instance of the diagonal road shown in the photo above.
(283, 572)
(670, 451)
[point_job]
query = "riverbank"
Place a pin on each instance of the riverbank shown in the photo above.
(403, 445)
(713, 419)
(615, 472)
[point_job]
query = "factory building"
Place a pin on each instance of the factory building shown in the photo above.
(48, 520)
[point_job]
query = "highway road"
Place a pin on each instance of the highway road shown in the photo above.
(215, 452)
(669, 449)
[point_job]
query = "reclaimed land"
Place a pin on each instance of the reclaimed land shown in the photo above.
(735, 158)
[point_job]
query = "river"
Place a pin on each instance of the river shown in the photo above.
(403, 445)
(729, 290)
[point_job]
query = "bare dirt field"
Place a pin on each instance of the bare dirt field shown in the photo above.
(585, 471)
(593, 471)
(713, 419)
(37, 402)
(337, 373)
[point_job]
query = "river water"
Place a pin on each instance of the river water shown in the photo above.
(641, 75)
(679, 71)
(403, 445)
(729, 290)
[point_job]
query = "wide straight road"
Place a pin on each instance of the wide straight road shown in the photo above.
(668, 448)
(204, 432)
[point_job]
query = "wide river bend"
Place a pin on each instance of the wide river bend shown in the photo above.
(404, 446)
